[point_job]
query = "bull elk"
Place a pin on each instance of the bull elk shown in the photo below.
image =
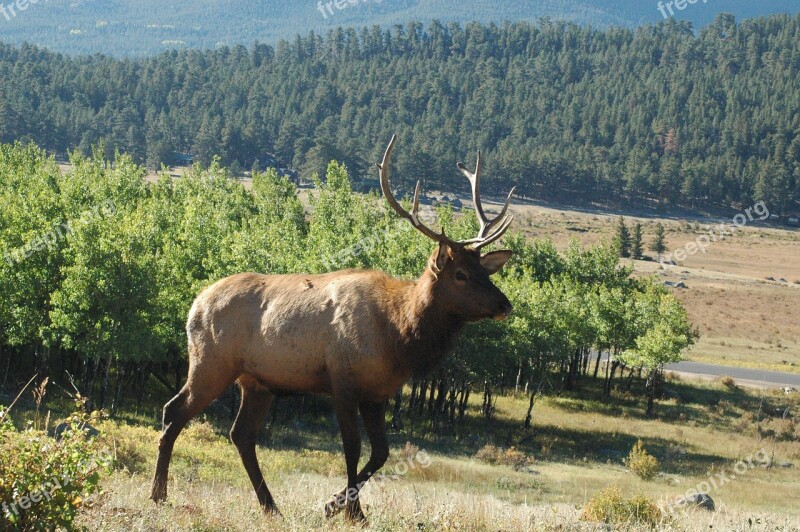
(355, 335)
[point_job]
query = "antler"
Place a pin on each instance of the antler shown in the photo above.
(484, 237)
(412, 217)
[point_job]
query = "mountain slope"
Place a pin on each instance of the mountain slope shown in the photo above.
(146, 27)
(559, 110)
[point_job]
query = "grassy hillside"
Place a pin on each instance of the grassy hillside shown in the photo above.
(575, 449)
(145, 27)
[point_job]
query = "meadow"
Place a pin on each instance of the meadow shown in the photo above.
(576, 448)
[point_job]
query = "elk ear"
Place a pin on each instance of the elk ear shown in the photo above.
(440, 258)
(492, 262)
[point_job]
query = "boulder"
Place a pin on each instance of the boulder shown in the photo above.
(699, 500)
(88, 430)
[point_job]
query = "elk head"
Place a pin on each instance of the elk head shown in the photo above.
(460, 273)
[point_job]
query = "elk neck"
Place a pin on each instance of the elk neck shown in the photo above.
(426, 330)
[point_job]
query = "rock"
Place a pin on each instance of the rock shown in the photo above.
(681, 285)
(88, 430)
(669, 283)
(782, 280)
(700, 500)
(770, 278)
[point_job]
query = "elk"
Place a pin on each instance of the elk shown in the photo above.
(355, 335)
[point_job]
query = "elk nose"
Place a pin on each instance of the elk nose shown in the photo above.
(505, 310)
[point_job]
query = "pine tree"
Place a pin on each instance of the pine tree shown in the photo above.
(636, 246)
(623, 239)
(659, 245)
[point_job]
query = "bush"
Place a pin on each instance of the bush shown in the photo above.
(43, 482)
(640, 462)
(497, 455)
(728, 382)
(780, 429)
(610, 507)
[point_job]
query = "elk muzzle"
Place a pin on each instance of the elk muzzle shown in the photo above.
(504, 310)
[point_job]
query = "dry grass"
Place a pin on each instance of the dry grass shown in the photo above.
(403, 506)
(574, 451)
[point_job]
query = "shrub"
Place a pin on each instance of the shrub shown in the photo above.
(610, 507)
(640, 462)
(780, 429)
(43, 482)
(488, 453)
(497, 455)
(203, 431)
(725, 407)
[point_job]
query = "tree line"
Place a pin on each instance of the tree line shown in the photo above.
(661, 115)
(105, 301)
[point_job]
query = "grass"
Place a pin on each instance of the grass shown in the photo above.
(573, 452)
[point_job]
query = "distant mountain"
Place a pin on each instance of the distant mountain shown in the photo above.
(146, 27)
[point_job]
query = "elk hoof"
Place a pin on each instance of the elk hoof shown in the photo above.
(333, 507)
(355, 516)
(272, 510)
(159, 493)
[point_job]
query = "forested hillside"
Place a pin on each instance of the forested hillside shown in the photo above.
(559, 110)
(147, 27)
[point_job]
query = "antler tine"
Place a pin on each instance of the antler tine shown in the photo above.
(485, 236)
(383, 169)
(499, 231)
(475, 181)
(502, 214)
(496, 235)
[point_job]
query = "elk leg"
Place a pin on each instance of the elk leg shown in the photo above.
(200, 389)
(173, 421)
(251, 417)
(373, 415)
(177, 413)
(347, 415)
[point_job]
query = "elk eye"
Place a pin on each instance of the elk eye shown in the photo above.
(461, 276)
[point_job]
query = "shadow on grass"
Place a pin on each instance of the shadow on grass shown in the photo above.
(307, 422)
